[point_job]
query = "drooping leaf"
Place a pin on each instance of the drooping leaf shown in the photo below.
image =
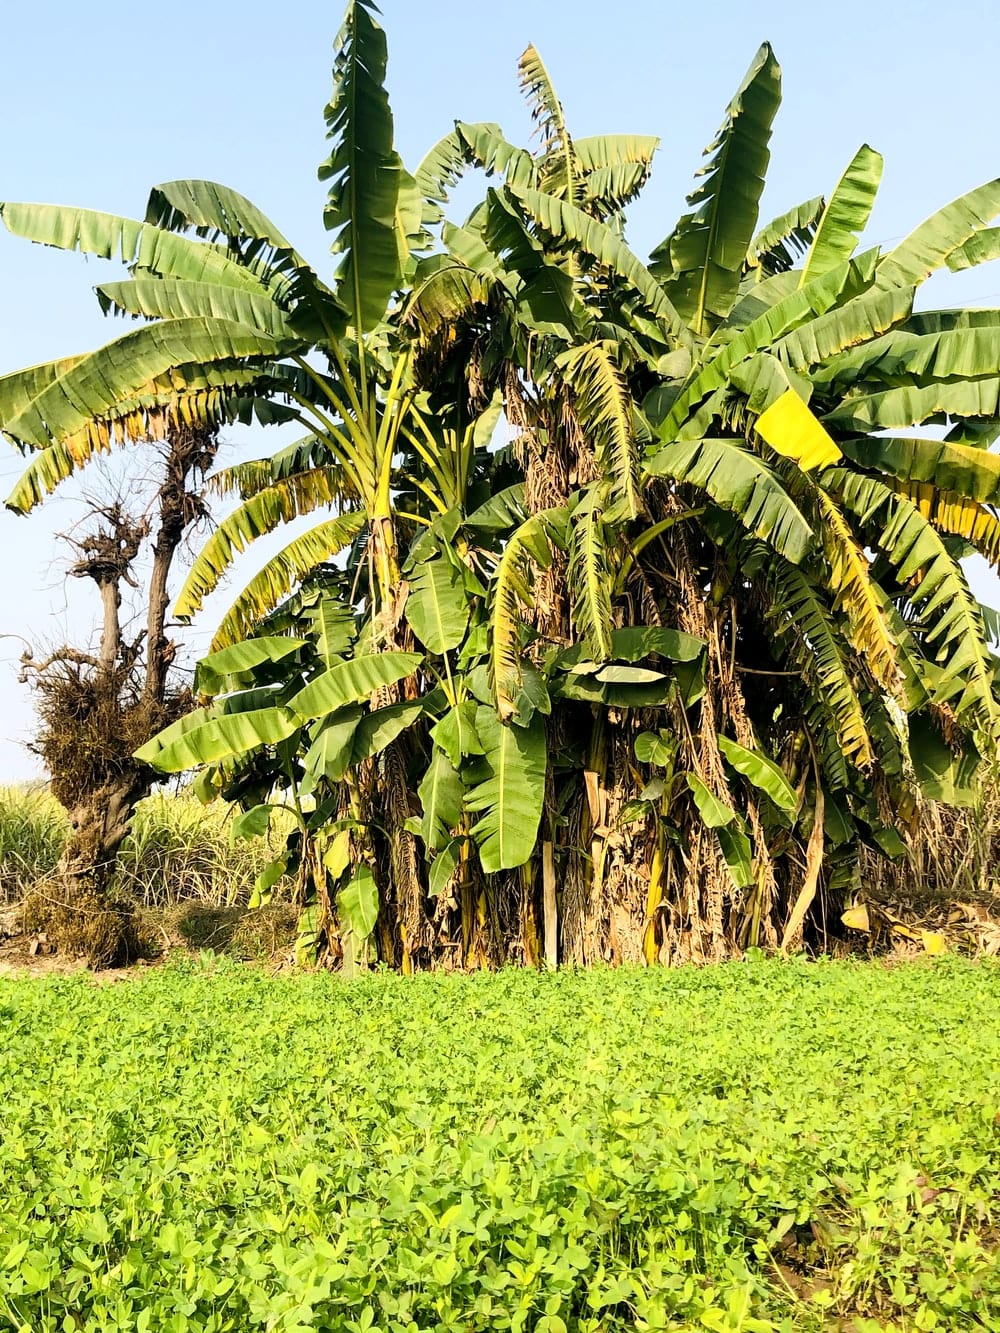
(913, 405)
(509, 800)
(216, 211)
(858, 597)
(741, 483)
(281, 502)
(439, 170)
(170, 298)
(332, 751)
(143, 247)
(215, 737)
(251, 823)
(737, 854)
(606, 411)
(281, 573)
(487, 148)
(437, 609)
(939, 594)
(715, 814)
(357, 903)
(380, 728)
(351, 681)
(441, 791)
(443, 867)
(95, 384)
(764, 773)
(511, 590)
(333, 629)
(456, 734)
(803, 619)
(905, 357)
(928, 247)
(982, 247)
(590, 581)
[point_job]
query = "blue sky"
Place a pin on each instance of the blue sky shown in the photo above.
(101, 102)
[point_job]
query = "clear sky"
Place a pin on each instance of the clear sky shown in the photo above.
(102, 101)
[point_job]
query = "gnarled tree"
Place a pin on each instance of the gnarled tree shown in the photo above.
(96, 708)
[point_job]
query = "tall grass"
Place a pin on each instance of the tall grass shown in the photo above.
(32, 833)
(178, 850)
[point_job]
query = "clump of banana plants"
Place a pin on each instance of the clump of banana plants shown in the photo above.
(636, 607)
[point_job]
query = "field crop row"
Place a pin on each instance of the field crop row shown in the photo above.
(755, 1147)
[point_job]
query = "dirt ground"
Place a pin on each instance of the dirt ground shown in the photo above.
(922, 925)
(263, 936)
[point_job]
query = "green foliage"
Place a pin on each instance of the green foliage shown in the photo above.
(177, 850)
(701, 1149)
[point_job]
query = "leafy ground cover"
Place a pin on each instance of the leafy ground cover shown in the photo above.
(752, 1147)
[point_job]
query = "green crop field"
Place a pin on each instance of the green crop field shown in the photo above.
(752, 1147)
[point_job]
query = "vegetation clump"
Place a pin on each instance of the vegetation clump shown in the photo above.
(177, 850)
(757, 1147)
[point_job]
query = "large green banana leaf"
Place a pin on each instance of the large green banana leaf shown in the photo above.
(929, 246)
(351, 681)
(701, 262)
(559, 168)
(740, 482)
(437, 609)
(188, 395)
(219, 211)
(234, 666)
(441, 792)
(173, 298)
(764, 773)
(140, 245)
(211, 739)
(797, 308)
(912, 405)
(364, 171)
(95, 384)
(971, 472)
(509, 800)
(846, 215)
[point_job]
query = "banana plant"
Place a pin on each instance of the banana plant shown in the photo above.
(636, 601)
(720, 406)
